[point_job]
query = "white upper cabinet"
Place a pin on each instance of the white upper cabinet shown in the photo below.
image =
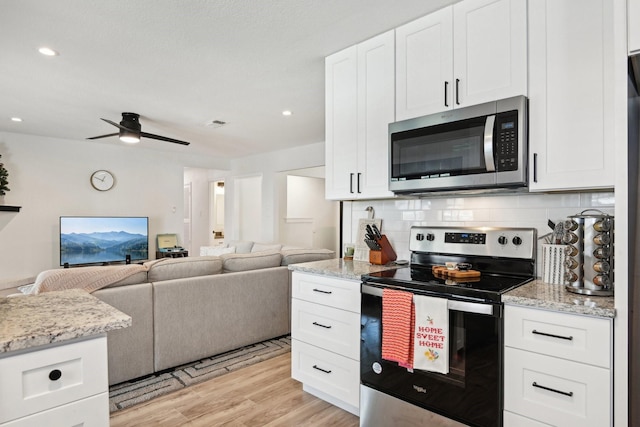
(359, 107)
(633, 8)
(571, 95)
(472, 52)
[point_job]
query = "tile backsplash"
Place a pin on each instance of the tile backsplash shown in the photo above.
(522, 210)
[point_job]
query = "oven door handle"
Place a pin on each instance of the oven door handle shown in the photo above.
(455, 305)
(470, 307)
(488, 143)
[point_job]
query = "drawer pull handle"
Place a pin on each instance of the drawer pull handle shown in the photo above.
(321, 370)
(570, 338)
(321, 325)
(321, 291)
(55, 375)
(564, 393)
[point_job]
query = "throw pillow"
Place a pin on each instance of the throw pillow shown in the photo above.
(216, 250)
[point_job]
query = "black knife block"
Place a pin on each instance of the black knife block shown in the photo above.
(385, 255)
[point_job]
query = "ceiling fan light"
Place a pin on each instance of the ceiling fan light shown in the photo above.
(129, 137)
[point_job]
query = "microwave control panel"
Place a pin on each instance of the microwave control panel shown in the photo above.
(506, 141)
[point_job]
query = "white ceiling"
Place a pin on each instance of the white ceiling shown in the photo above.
(181, 64)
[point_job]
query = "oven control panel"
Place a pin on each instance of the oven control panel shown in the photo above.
(486, 241)
(472, 238)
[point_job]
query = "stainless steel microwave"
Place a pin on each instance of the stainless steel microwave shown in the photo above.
(478, 147)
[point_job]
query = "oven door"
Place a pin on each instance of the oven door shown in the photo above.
(470, 393)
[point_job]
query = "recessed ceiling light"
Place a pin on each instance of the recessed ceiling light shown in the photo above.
(286, 113)
(16, 119)
(47, 51)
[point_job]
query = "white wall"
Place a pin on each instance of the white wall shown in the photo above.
(268, 166)
(50, 177)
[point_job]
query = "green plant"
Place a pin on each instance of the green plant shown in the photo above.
(4, 182)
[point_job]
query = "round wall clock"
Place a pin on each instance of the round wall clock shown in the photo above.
(102, 180)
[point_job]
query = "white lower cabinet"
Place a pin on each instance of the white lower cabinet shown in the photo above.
(62, 385)
(325, 332)
(557, 369)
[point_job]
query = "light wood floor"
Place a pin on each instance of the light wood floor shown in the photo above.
(259, 395)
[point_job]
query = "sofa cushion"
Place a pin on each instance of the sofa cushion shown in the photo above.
(177, 268)
(216, 250)
(295, 256)
(252, 261)
(242, 246)
(261, 247)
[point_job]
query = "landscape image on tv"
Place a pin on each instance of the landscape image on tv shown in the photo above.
(100, 240)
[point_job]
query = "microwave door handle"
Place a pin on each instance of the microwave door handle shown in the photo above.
(488, 143)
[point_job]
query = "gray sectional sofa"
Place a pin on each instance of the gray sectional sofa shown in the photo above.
(186, 309)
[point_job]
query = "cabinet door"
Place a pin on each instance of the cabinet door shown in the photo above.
(490, 50)
(424, 65)
(376, 109)
(341, 104)
(571, 95)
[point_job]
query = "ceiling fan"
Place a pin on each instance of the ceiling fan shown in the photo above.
(131, 131)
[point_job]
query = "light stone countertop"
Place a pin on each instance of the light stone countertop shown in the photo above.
(337, 267)
(52, 317)
(539, 294)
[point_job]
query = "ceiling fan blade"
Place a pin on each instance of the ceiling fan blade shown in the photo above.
(163, 138)
(104, 136)
(118, 125)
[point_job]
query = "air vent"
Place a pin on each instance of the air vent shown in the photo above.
(216, 123)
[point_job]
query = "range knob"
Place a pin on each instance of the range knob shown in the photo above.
(517, 241)
(420, 237)
(503, 240)
(431, 237)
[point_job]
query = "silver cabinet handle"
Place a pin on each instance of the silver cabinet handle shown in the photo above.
(351, 183)
(358, 186)
(488, 143)
(457, 91)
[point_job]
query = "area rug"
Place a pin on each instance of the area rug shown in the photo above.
(131, 393)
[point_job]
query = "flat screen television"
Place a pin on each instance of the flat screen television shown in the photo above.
(103, 240)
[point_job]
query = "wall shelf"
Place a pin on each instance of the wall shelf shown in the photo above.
(6, 208)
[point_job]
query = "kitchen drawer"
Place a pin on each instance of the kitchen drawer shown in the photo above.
(515, 420)
(92, 411)
(326, 327)
(575, 395)
(330, 291)
(569, 336)
(29, 381)
(335, 375)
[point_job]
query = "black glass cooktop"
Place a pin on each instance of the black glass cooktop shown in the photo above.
(488, 286)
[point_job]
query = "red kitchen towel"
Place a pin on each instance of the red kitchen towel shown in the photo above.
(397, 327)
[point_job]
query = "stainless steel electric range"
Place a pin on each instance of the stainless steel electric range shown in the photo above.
(471, 391)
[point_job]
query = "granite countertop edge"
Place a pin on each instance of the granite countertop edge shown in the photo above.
(538, 294)
(55, 317)
(338, 267)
